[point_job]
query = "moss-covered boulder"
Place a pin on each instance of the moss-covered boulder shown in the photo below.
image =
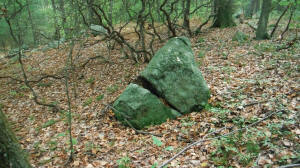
(173, 75)
(141, 108)
(170, 85)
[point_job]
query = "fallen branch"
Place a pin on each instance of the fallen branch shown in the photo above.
(208, 139)
(33, 81)
(289, 44)
(257, 160)
(93, 58)
(254, 103)
(290, 166)
(9, 77)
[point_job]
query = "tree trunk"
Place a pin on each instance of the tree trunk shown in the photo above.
(253, 8)
(11, 154)
(63, 17)
(261, 31)
(223, 10)
(33, 28)
(57, 29)
(111, 11)
(186, 17)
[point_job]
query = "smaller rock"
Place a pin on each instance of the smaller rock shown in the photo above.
(141, 108)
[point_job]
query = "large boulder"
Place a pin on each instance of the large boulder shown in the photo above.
(173, 75)
(140, 108)
(170, 85)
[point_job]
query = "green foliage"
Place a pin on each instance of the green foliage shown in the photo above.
(90, 80)
(112, 88)
(154, 165)
(100, 97)
(240, 37)
(52, 145)
(89, 146)
(88, 101)
(187, 122)
(13, 93)
(229, 147)
(49, 123)
(220, 113)
(265, 47)
(124, 162)
(74, 141)
(201, 54)
(169, 148)
(201, 40)
(156, 141)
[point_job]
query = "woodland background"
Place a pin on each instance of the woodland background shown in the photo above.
(59, 78)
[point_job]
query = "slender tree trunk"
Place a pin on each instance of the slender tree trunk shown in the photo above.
(57, 29)
(111, 10)
(186, 17)
(278, 20)
(261, 31)
(33, 28)
(223, 10)
(11, 154)
(90, 12)
(63, 17)
(76, 16)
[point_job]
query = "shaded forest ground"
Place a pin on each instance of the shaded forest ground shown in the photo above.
(248, 80)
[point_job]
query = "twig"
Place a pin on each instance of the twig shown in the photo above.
(130, 125)
(254, 103)
(288, 24)
(198, 30)
(9, 77)
(67, 76)
(32, 81)
(257, 160)
(251, 26)
(289, 44)
(290, 166)
(208, 139)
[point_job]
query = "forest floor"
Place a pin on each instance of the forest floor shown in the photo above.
(249, 80)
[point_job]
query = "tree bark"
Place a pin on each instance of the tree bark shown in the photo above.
(33, 28)
(261, 31)
(111, 10)
(186, 17)
(11, 154)
(63, 17)
(223, 10)
(57, 29)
